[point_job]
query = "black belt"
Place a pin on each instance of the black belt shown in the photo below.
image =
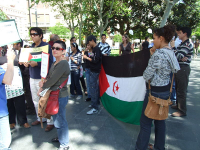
(183, 65)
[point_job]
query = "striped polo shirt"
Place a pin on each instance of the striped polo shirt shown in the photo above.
(105, 48)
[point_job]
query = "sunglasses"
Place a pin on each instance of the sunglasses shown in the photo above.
(57, 48)
(34, 34)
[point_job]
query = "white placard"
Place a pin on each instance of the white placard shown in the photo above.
(44, 65)
(17, 78)
(9, 33)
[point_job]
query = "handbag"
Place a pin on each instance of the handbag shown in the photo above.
(53, 103)
(158, 108)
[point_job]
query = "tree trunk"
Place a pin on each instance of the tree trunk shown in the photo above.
(80, 30)
(167, 11)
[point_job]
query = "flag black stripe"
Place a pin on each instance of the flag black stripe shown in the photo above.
(131, 65)
(36, 53)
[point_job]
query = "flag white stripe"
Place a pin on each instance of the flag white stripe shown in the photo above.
(131, 89)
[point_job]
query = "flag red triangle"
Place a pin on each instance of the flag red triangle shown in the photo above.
(103, 81)
(30, 57)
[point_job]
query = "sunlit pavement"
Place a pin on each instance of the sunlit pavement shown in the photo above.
(102, 132)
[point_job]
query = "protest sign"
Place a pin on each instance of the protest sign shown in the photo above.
(9, 33)
(44, 65)
(32, 54)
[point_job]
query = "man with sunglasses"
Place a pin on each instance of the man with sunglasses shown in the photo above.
(34, 70)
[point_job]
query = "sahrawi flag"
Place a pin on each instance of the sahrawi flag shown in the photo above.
(36, 56)
(33, 54)
(122, 87)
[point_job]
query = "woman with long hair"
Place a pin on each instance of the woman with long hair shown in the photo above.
(126, 46)
(162, 62)
(76, 59)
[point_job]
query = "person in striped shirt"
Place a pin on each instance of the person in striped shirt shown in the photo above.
(76, 59)
(184, 54)
(104, 47)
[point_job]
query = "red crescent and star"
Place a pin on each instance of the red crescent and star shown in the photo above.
(115, 87)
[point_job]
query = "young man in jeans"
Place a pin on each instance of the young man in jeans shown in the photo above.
(95, 68)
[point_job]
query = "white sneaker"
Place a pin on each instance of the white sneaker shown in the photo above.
(78, 97)
(90, 106)
(92, 111)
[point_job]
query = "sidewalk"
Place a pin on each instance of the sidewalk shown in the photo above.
(103, 132)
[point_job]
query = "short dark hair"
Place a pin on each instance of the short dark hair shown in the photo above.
(103, 35)
(168, 31)
(72, 38)
(76, 46)
(187, 30)
(146, 38)
(38, 30)
(90, 38)
(63, 45)
(21, 43)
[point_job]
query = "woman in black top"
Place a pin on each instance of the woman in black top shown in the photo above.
(126, 46)
(88, 52)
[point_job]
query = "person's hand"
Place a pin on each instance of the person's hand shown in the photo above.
(71, 58)
(84, 57)
(172, 43)
(184, 59)
(152, 50)
(33, 63)
(41, 83)
(38, 93)
(26, 64)
(10, 55)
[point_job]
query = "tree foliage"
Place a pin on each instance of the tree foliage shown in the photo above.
(60, 30)
(95, 16)
(117, 38)
(2, 16)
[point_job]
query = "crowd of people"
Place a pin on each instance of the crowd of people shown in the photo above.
(73, 62)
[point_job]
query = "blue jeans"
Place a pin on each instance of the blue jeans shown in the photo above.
(94, 89)
(60, 122)
(5, 135)
(75, 75)
(87, 75)
(145, 126)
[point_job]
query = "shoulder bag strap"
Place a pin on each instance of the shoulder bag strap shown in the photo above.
(63, 84)
(149, 88)
(171, 86)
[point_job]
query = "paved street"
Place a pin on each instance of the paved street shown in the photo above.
(103, 132)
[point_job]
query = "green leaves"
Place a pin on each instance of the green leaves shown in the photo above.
(60, 30)
(3, 16)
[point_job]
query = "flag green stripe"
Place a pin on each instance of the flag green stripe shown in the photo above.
(36, 60)
(128, 112)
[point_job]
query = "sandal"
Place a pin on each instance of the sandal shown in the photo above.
(55, 140)
(86, 93)
(150, 146)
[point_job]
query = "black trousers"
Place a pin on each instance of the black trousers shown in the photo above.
(27, 93)
(182, 79)
(16, 107)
